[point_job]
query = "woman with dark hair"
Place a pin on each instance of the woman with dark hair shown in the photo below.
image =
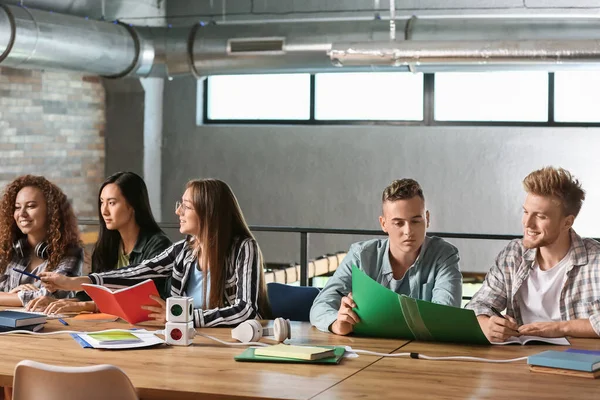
(128, 235)
(38, 232)
(219, 264)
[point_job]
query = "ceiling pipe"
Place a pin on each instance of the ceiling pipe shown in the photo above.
(431, 56)
(42, 40)
(34, 39)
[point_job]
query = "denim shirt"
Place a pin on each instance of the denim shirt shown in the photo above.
(435, 276)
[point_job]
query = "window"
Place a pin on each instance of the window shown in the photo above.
(577, 96)
(259, 97)
(491, 96)
(390, 96)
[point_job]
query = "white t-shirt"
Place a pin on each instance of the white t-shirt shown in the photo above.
(540, 293)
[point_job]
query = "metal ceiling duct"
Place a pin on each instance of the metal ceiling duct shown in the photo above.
(429, 44)
(459, 55)
(272, 48)
(43, 40)
(34, 39)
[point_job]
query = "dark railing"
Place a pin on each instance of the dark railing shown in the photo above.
(305, 236)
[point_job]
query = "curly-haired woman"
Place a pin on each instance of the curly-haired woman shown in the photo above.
(38, 232)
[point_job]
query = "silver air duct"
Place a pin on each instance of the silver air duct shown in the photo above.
(269, 48)
(43, 40)
(459, 55)
(33, 39)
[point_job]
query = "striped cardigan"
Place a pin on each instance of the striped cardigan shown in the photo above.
(241, 281)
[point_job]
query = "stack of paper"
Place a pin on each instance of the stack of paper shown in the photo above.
(117, 340)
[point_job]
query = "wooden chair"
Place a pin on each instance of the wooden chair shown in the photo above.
(34, 380)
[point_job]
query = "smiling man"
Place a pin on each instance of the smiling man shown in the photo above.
(549, 281)
(407, 262)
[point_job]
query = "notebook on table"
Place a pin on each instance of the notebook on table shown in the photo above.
(297, 352)
(125, 303)
(249, 356)
(566, 363)
(15, 319)
(535, 339)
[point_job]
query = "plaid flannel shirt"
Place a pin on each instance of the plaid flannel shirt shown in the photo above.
(70, 265)
(579, 297)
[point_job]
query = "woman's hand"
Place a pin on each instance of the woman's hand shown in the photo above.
(39, 303)
(25, 287)
(159, 312)
(70, 306)
(54, 281)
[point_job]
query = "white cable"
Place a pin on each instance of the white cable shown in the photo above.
(230, 343)
(158, 332)
(424, 357)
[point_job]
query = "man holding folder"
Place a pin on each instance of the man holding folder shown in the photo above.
(407, 262)
(549, 281)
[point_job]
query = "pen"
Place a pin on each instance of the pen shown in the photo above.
(62, 321)
(27, 273)
(497, 312)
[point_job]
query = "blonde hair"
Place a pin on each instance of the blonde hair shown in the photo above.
(402, 189)
(559, 183)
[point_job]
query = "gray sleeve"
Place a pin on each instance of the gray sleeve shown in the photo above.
(326, 305)
(447, 289)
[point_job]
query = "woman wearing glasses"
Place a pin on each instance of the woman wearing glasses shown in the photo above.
(219, 264)
(128, 235)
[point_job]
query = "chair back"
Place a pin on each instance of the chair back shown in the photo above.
(291, 302)
(35, 380)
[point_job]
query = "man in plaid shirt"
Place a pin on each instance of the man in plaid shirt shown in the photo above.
(549, 281)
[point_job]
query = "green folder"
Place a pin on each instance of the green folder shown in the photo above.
(384, 313)
(248, 355)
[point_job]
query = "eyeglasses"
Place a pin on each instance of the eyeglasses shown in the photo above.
(180, 205)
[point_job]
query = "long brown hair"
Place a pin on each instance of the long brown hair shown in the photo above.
(62, 234)
(221, 222)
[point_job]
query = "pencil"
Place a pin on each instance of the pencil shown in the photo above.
(27, 273)
(497, 312)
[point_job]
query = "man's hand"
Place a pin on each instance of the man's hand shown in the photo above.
(544, 329)
(498, 329)
(347, 318)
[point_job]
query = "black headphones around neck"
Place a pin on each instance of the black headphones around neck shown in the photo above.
(21, 247)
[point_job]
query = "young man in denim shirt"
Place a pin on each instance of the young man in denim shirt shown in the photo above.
(407, 262)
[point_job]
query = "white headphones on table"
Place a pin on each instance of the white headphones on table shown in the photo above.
(252, 330)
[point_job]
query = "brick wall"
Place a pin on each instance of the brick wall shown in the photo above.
(52, 124)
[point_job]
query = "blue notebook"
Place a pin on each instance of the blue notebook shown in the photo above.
(15, 319)
(566, 360)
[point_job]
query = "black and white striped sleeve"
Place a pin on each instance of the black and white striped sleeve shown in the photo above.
(245, 306)
(157, 267)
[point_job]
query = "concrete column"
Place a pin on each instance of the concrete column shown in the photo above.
(153, 122)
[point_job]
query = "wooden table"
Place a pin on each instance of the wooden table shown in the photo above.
(397, 378)
(204, 369)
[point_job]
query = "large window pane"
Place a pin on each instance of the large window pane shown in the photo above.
(277, 96)
(392, 96)
(577, 96)
(491, 96)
